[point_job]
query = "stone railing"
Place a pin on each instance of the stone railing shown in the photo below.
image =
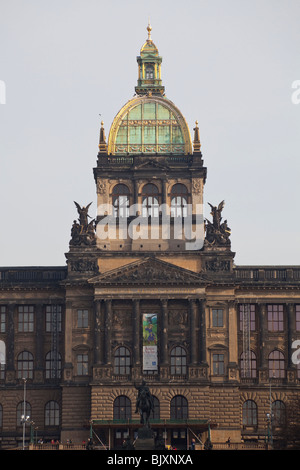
(267, 273)
(32, 275)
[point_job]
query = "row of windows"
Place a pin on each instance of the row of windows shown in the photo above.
(25, 319)
(122, 409)
(25, 365)
(250, 415)
(53, 318)
(151, 200)
(179, 410)
(51, 413)
(123, 364)
(178, 363)
(247, 317)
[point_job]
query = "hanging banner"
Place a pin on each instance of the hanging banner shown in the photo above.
(150, 341)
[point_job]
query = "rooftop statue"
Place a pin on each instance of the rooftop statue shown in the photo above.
(217, 233)
(83, 231)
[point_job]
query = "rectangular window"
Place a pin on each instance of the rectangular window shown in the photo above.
(298, 317)
(82, 364)
(53, 318)
(217, 317)
(218, 364)
(26, 318)
(82, 318)
(247, 316)
(275, 317)
(2, 319)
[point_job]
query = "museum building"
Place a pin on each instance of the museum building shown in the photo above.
(150, 292)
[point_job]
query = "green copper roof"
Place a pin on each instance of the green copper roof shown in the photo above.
(149, 123)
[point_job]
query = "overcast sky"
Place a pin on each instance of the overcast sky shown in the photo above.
(230, 64)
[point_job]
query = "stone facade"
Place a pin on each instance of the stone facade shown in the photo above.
(224, 333)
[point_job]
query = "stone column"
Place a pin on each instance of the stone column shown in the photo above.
(193, 332)
(68, 365)
(164, 332)
(202, 346)
(108, 328)
(232, 331)
(136, 325)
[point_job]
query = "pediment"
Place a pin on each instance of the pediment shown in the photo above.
(151, 164)
(149, 271)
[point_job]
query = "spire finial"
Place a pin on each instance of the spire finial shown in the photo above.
(197, 144)
(149, 29)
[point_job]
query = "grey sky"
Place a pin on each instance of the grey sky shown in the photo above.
(228, 64)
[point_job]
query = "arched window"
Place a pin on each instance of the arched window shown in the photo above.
(150, 201)
(2, 360)
(149, 72)
(179, 200)
(52, 413)
(276, 365)
(249, 413)
(179, 407)
(279, 413)
(155, 414)
(53, 365)
(122, 361)
(120, 200)
(248, 365)
(178, 361)
(122, 407)
(20, 412)
(25, 365)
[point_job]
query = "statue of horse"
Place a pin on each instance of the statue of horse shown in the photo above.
(145, 406)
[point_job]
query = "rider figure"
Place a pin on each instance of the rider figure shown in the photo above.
(144, 388)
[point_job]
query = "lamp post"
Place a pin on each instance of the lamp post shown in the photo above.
(24, 419)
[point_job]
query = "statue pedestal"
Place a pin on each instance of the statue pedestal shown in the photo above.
(145, 439)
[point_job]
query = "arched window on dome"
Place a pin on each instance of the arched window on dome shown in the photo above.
(150, 200)
(120, 200)
(179, 200)
(149, 72)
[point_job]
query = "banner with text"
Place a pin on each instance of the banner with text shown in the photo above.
(150, 341)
